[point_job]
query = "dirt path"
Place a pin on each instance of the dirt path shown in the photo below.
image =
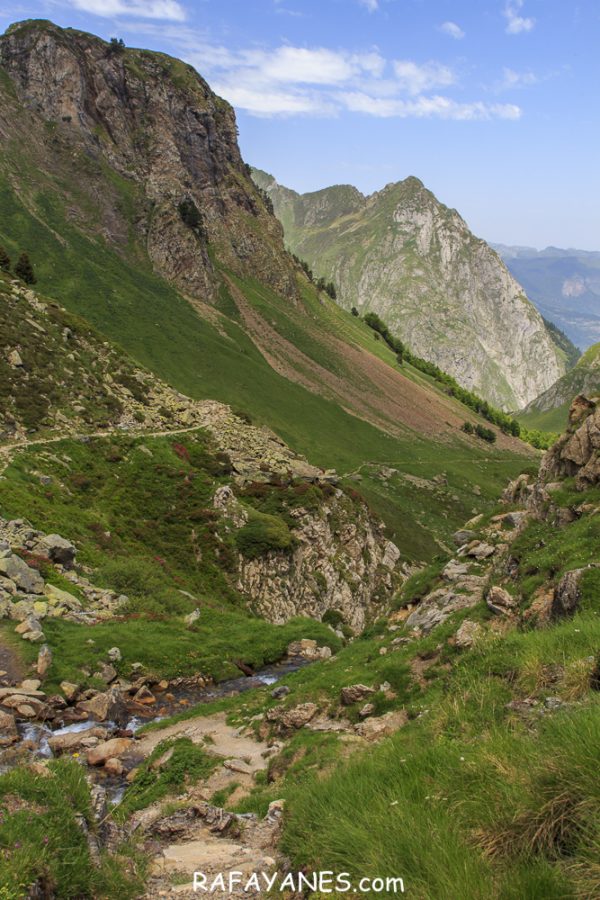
(189, 840)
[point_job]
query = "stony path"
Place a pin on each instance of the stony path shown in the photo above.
(185, 843)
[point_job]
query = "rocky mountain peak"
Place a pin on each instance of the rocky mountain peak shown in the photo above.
(153, 121)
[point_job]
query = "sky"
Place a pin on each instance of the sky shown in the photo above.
(493, 104)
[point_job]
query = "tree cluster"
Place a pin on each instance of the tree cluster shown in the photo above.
(23, 268)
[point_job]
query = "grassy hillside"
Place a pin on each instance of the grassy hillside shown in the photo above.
(550, 411)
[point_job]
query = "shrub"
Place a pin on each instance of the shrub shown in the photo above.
(24, 269)
(4, 260)
(262, 534)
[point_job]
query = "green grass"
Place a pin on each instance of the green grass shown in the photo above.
(43, 842)
(185, 763)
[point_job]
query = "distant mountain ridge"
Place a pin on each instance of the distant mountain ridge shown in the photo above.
(563, 284)
(404, 255)
(549, 411)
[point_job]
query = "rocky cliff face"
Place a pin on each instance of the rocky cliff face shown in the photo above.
(583, 379)
(149, 125)
(402, 254)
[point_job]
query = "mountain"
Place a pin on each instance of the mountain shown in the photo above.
(563, 284)
(265, 605)
(405, 256)
(549, 411)
(121, 175)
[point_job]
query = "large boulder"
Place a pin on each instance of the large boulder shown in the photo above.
(23, 576)
(577, 452)
(567, 595)
(58, 549)
(500, 602)
(112, 749)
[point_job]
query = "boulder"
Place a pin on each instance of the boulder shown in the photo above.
(355, 693)
(112, 749)
(145, 696)
(24, 577)
(114, 767)
(463, 536)
(114, 654)
(500, 602)
(58, 549)
(101, 706)
(467, 634)
(72, 740)
(373, 729)
(293, 718)
(567, 595)
(280, 692)
(480, 550)
(58, 597)
(69, 689)
(106, 673)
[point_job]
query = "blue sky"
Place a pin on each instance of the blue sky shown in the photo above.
(493, 103)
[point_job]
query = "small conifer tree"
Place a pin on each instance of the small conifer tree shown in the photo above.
(4, 260)
(24, 269)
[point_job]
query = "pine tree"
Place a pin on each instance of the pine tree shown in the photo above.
(4, 260)
(24, 269)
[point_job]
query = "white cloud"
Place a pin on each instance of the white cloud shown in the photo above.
(414, 78)
(169, 10)
(371, 5)
(452, 30)
(512, 79)
(515, 22)
(319, 81)
(429, 107)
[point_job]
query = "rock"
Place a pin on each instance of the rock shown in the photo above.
(106, 673)
(293, 718)
(354, 693)
(8, 729)
(14, 359)
(26, 625)
(145, 696)
(367, 710)
(575, 454)
(58, 549)
(58, 597)
(391, 555)
(279, 692)
(73, 740)
(462, 537)
(500, 602)
(467, 634)
(69, 689)
(238, 765)
(34, 636)
(480, 550)
(454, 569)
(114, 654)
(114, 748)
(30, 684)
(437, 606)
(100, 706)
(25, 578)
(114, 767)
(44, 660)
(193, 617)
(373, 729)
(553, 703)
(275, 810)
(567, 595)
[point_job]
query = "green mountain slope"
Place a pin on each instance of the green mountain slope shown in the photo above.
(550, 410)
(403, 255)
(182, 295)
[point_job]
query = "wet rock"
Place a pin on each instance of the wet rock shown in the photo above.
(69, 689)
(73, 740)
(114, 748)
(354, 693)
(114, 766)
(145, 696)
(100, 706)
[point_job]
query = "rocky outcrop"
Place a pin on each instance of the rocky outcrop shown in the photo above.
(340, 562)
(584, 379)
(577, 452)
(167, 141)
(402, 254)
